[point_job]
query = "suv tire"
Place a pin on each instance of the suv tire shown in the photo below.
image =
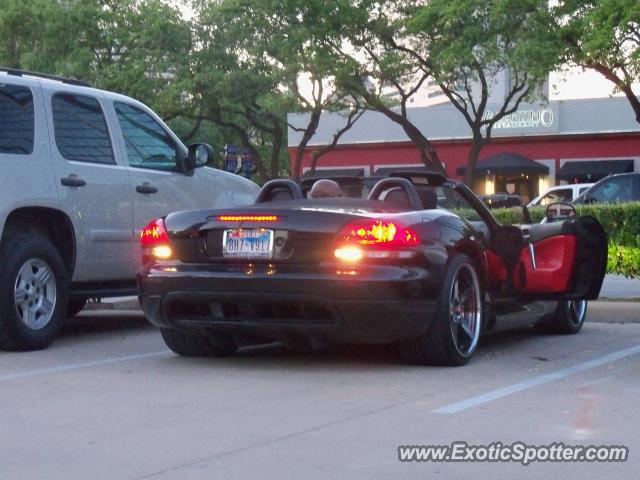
(33, 292)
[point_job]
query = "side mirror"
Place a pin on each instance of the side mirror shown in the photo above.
(199, 155)
(560, 211)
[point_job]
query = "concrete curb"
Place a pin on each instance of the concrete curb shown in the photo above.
(614, 312)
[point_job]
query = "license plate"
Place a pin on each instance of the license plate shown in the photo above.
(248, 243)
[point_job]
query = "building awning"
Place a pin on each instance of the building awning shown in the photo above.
(384, 171)
(334, 172)
(507, 164)
(592, 169)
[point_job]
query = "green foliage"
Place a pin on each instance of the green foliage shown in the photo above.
(606, 32)
(620, 221)
(624, 260)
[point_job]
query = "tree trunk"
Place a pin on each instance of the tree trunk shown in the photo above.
(472, 159)
(275, 155)
(427, 151)
(610, 75)
(308, 134)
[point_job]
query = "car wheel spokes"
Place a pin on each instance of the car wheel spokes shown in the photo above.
(577, 311)
(465, 310)
(35, 294)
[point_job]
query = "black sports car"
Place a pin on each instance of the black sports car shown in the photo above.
(421, 263)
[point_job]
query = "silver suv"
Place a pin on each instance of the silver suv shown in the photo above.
(83, 171)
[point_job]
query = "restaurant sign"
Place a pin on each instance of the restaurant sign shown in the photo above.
(528, 119)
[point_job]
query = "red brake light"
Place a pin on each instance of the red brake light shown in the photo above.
(248, 218)
(375, 239)
(153, 234)
(155, 242)
(377, 232)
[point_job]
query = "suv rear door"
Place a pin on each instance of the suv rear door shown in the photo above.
(93, 189)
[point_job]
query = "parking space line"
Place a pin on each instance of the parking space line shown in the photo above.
(535, 382)
(78, 366)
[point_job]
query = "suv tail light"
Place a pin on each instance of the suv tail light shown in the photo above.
(375, 239)
(155, 242)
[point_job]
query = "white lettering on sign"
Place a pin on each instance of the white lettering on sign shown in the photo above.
(542, 118)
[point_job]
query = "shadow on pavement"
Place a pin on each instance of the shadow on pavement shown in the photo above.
(91, 322)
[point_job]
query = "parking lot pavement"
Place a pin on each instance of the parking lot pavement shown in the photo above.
(108, 401)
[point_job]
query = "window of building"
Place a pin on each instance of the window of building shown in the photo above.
(148, 144)
(16, 120)
(80, 129)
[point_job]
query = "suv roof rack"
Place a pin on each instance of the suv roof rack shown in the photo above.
(19, 73)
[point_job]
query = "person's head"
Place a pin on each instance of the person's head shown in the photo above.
(325, 189)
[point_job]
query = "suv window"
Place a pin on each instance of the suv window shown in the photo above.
(80, 129)
(564, 195)
(148, 144)
(16, 120)
(615, 189)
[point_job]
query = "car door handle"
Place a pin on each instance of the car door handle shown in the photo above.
(146, 188)
(72, 181)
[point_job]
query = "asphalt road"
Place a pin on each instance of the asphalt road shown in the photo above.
(108, 401)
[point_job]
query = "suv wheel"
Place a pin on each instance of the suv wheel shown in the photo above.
(33, 293)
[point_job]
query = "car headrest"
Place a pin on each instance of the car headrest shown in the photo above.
(279, 189)
(428, 197)
(280, 194)
(396, 195)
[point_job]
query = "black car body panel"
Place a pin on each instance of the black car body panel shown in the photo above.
(302, 289)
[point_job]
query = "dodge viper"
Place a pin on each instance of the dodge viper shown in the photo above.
(420, 263)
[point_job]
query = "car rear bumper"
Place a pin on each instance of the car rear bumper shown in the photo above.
(370, 304)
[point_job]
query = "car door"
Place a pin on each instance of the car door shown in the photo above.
(159, 183)
(544, 261)
(564, 259)
(92, 187)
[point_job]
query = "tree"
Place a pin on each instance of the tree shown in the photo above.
(236, 85)
(603, 36)
(466, 44)
(370, 30)
(140, 48)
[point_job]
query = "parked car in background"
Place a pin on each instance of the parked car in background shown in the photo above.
(623, 187)
(84, 170)
(502, 200)
(560, 194)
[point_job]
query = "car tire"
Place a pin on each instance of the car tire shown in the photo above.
(567, 319)
(75, 306)
(33, 293)
(456, 327)
(188, 345)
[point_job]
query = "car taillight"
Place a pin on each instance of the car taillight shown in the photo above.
(375, 239)
(155, 242)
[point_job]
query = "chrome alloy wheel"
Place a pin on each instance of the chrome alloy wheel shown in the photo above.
(35, 294)
(576, 311)
(465, 310)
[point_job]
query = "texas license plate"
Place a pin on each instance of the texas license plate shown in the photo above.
(248, 243)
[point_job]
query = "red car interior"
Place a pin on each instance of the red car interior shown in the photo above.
(554, 263)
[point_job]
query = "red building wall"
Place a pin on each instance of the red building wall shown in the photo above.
(454, 153)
